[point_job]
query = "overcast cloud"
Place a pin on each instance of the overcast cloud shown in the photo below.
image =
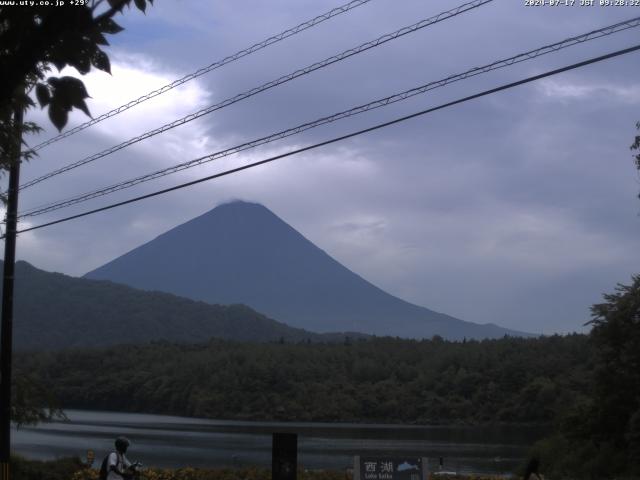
(519, 208)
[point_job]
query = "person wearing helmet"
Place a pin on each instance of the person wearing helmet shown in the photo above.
(118, 467)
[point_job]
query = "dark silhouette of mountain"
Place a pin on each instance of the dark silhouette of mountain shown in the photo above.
(242, 253)
(55, 311)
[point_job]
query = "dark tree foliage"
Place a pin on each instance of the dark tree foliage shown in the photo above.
(53, 311)
(31, 402)
(616, 334)
(36, 37)
(32, 39)
(511, 380)
(636, 146)
(600, 436)
(58, 469)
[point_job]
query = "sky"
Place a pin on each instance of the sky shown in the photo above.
(519, 208)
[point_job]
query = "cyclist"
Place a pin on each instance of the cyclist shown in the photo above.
(117, 465)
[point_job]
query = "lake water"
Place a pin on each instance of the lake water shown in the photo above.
(165, 441)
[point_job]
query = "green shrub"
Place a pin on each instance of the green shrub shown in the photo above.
(61, 469)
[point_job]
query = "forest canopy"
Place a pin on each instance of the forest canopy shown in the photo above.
(511, 380)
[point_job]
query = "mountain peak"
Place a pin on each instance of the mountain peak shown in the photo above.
(238, 205)
(235, 211)
(241, 252)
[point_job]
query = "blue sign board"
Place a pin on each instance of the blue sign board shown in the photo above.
(389, 468)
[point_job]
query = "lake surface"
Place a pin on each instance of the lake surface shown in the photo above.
(166, 441)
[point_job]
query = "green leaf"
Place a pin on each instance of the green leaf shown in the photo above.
(100, 60)
(23, 100)
(79, 103)
(59, 63)
(42, 94)
(68, 46)
(98, 38)
(118, 4)
(109, 26)
(58, 115)
(67, 93)
(141, 4)
(74, 86)
(82, 62)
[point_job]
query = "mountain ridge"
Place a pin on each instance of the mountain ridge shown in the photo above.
(55, 311)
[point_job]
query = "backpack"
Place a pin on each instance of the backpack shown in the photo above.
(104, 468)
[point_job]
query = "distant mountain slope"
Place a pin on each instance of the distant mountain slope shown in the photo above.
(242, 253)
(54, 311)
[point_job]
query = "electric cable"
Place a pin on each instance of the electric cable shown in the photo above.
(266, 86)
(340, 138)
(595, 34)
(220, 63)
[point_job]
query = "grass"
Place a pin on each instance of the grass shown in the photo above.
(75, 469)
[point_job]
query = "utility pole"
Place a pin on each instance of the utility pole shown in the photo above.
(6, 326)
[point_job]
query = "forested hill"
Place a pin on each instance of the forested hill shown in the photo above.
(384, 380)
(54, 311)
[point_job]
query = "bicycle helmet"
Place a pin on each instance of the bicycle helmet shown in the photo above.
(122, 443)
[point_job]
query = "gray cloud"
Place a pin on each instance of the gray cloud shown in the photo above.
(518, 208)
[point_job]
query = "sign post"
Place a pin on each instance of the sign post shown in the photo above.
(284, 456)
(6, 324)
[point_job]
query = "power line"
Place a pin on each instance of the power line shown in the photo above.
(279, 81)
(343, 137)
(220, 63)
(595, 34)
